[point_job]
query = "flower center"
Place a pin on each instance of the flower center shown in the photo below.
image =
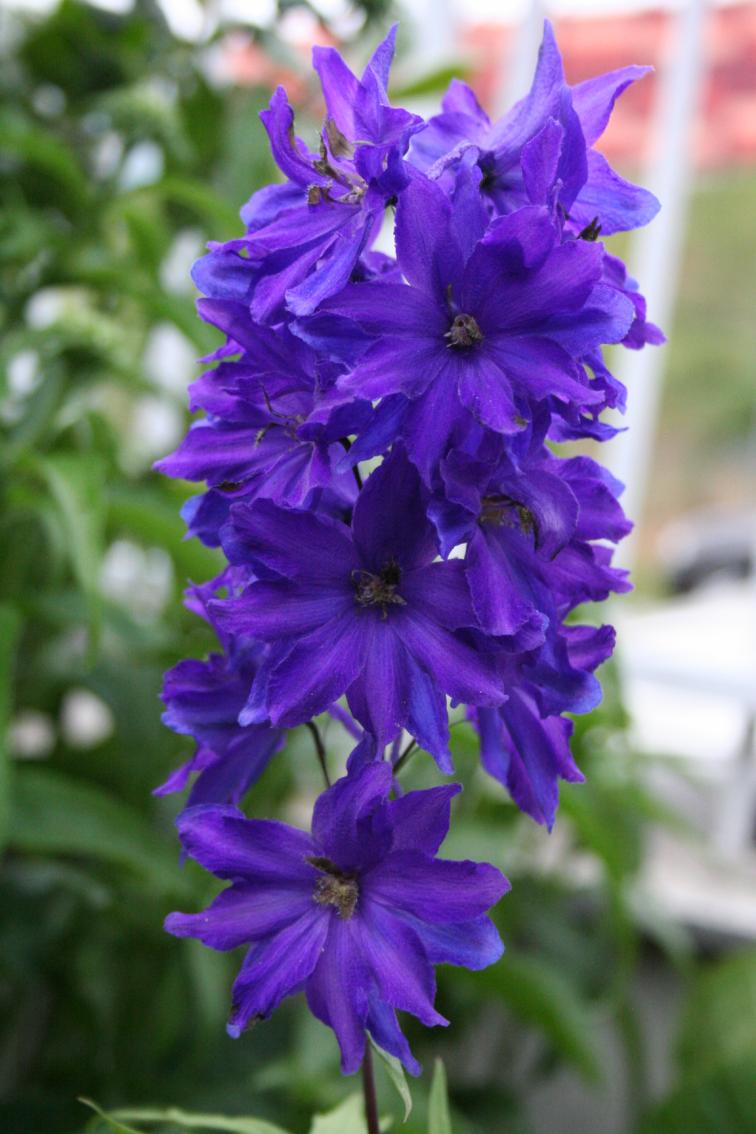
(464, 332)
(378, 590)
(335, 887)
(502, 511)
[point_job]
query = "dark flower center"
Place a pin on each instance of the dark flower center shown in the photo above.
(499, 511)
(378, 590)
(464, 332)
(335, 887)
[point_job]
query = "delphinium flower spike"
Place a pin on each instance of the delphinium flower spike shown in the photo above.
(452, 571)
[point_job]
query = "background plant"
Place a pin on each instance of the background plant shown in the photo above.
(94, 999)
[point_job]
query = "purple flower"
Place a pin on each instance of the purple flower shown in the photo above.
(357, 913)
(525, 743)
(541, 151)
(491, 321)
(257, 438)
(305, 238)
(528, 521)
(203, 699)
(363, 611)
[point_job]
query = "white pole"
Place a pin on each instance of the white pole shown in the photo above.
(523, 51)
(655, 258)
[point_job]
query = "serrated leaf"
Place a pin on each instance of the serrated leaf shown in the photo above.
(439, 1119)
(395, 1072)
(56, 814)
(10, 625)
(214, 1122)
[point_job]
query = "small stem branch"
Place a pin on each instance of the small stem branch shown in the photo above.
(319, 750)
(368, 1090)
(404, 756)
(355, 469)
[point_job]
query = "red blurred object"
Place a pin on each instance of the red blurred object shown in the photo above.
(725, 131)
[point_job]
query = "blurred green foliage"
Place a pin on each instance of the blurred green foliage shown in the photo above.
(118, 156)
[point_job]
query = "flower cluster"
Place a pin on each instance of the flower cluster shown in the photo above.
(453, 571)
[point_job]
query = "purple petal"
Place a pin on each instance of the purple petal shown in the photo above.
(390, 308)
(384, 1028)
(396, 365)
(540, 162)
(439, 591)
(529, 755)
(298, 545)
(485, 389)
(618, 204)
(337, 991)
(390, 522)
(503, 605)
(289, 152)
(277, 968)
(460, 670)
(244, 913)
(336, 821)
(472, 944)
(438, 891)
(271, 611)
(594, 99)
(318, 669)
(421, 818)
(426, 247)
(398, 963)
(340, 88)
(431, 419)
(227, 844)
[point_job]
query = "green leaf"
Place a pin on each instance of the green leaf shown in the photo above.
(540, 995)
(76, 482)
(347, 1118)
(214, 1122)
(395, 1072)
(153, 519)
(109, 1118)
(36, 147)
(433, 82)
(721, 1102)
(10, 625)
(719, 1020)
(56, 814)
(200, 199)
(439, 1119)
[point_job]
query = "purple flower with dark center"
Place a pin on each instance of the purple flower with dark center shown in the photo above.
(491, 321)
(363, 611)
(541, 151)
(256, 439)
(525, 743)
(203, 699)
(357, 913)
(305, 238)
(527, 521)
